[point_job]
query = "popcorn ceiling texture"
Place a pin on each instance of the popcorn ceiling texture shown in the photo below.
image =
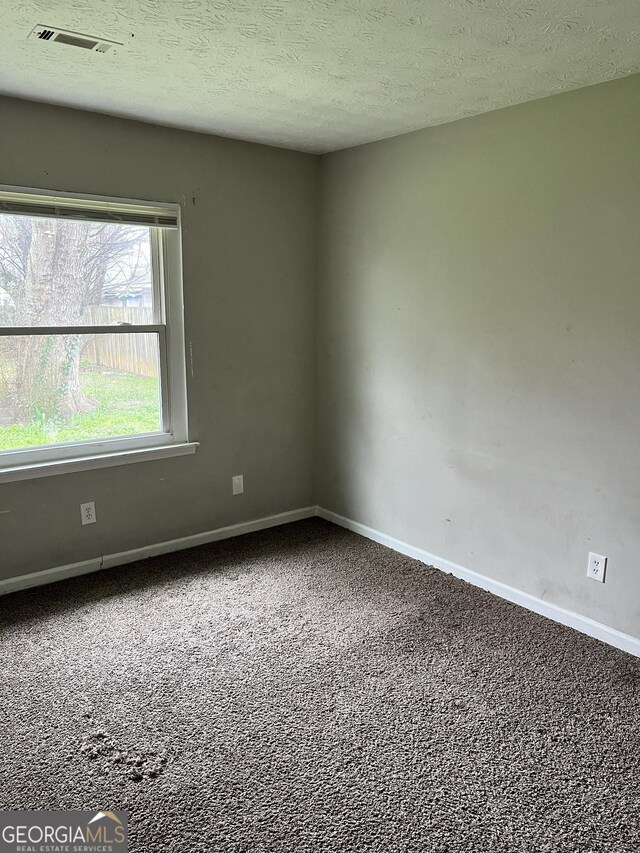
(304, 690)
(316, 75)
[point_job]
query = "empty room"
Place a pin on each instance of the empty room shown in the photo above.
(319, 426)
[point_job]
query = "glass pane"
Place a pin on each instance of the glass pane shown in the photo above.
(61, 388)
(55, 272)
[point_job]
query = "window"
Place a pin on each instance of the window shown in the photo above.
(91, 331)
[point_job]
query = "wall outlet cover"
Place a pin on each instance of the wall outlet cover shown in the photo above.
(88, 513)
(596, 567)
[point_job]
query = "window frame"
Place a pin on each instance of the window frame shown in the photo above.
(168, 316)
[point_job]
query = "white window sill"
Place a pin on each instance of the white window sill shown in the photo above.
(87, 463)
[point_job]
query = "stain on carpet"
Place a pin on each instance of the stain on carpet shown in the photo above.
(135, 764)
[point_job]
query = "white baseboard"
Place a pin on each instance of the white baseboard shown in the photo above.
(107, 561)
(552, 611)
(59, 573)
(232, 530)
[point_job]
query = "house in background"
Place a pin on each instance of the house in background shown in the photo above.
(136, 296)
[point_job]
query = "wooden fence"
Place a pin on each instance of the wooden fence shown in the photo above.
(135, 353)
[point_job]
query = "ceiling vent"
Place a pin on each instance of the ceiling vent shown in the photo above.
(51, 34)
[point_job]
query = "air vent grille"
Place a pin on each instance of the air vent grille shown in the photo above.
(76, 41)
(53, 34)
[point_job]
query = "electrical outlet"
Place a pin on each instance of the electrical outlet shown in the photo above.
(596, 567)
(88, 513)
(237, 484)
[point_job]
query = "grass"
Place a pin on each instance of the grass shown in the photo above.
(125, 404)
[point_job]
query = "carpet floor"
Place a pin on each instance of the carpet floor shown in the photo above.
(304, 689)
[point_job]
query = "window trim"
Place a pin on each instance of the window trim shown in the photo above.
(100, 460)
(166, 251)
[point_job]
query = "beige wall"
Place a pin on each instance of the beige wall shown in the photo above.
(479, 367)
(249, 243)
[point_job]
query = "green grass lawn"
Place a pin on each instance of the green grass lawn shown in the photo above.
(125, 404)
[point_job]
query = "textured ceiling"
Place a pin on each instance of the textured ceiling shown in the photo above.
(315, 75)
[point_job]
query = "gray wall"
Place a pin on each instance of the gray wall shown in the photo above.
(479, 369)
(478, 344)
(250, 262)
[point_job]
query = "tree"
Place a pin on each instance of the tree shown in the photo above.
(51, 270)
